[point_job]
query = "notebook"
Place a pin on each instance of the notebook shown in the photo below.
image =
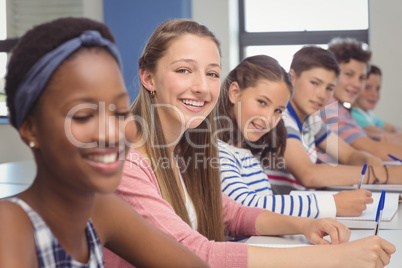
(279, 241)
(390, 206)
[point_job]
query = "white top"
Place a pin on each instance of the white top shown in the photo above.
(189, 206)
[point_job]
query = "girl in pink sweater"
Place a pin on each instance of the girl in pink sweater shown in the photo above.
(173, 178)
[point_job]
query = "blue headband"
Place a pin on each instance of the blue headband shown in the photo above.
(39, 74)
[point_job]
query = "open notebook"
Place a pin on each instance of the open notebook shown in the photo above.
(279, 241)
(390, 206)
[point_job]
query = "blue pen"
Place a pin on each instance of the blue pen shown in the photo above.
(379, 212)
(395, 158)
(362, 176)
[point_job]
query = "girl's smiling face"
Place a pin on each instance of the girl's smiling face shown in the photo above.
(82, 123)
(258, 109)
(186, 82)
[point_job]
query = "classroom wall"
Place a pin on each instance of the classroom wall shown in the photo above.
(93, 9)
(11, 146)
(385, 41)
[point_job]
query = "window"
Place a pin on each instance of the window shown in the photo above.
(280, 28)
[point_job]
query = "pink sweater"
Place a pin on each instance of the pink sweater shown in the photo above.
(140, 188)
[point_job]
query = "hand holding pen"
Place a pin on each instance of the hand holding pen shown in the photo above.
(379, 212)
(362, 176)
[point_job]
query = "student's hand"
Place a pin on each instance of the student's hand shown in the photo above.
(385, 138)
(372, 251)
(352, 203)
(392, 138)
(315, 230)
(374, 161)
(388, 138)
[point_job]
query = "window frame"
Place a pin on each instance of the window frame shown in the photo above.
(290, 38)
(7, 44)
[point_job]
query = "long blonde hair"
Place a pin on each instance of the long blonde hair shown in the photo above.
(201, 179)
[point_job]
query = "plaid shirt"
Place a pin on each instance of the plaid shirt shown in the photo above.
(50, 253)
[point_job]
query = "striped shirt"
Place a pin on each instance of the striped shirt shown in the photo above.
(50, 253)
(340, 121)
(244, 180)
(310, 133)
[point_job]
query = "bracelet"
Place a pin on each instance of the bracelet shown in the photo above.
(386, 172)
(371, 170)
(376, 180)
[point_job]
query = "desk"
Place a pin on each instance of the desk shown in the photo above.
(393, 236)
(15, 177)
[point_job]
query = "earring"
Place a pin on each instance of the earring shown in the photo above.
(32, 144)
(153, 93)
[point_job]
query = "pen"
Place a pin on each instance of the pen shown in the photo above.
(362, 176)
(395, 158)
(379, 212)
